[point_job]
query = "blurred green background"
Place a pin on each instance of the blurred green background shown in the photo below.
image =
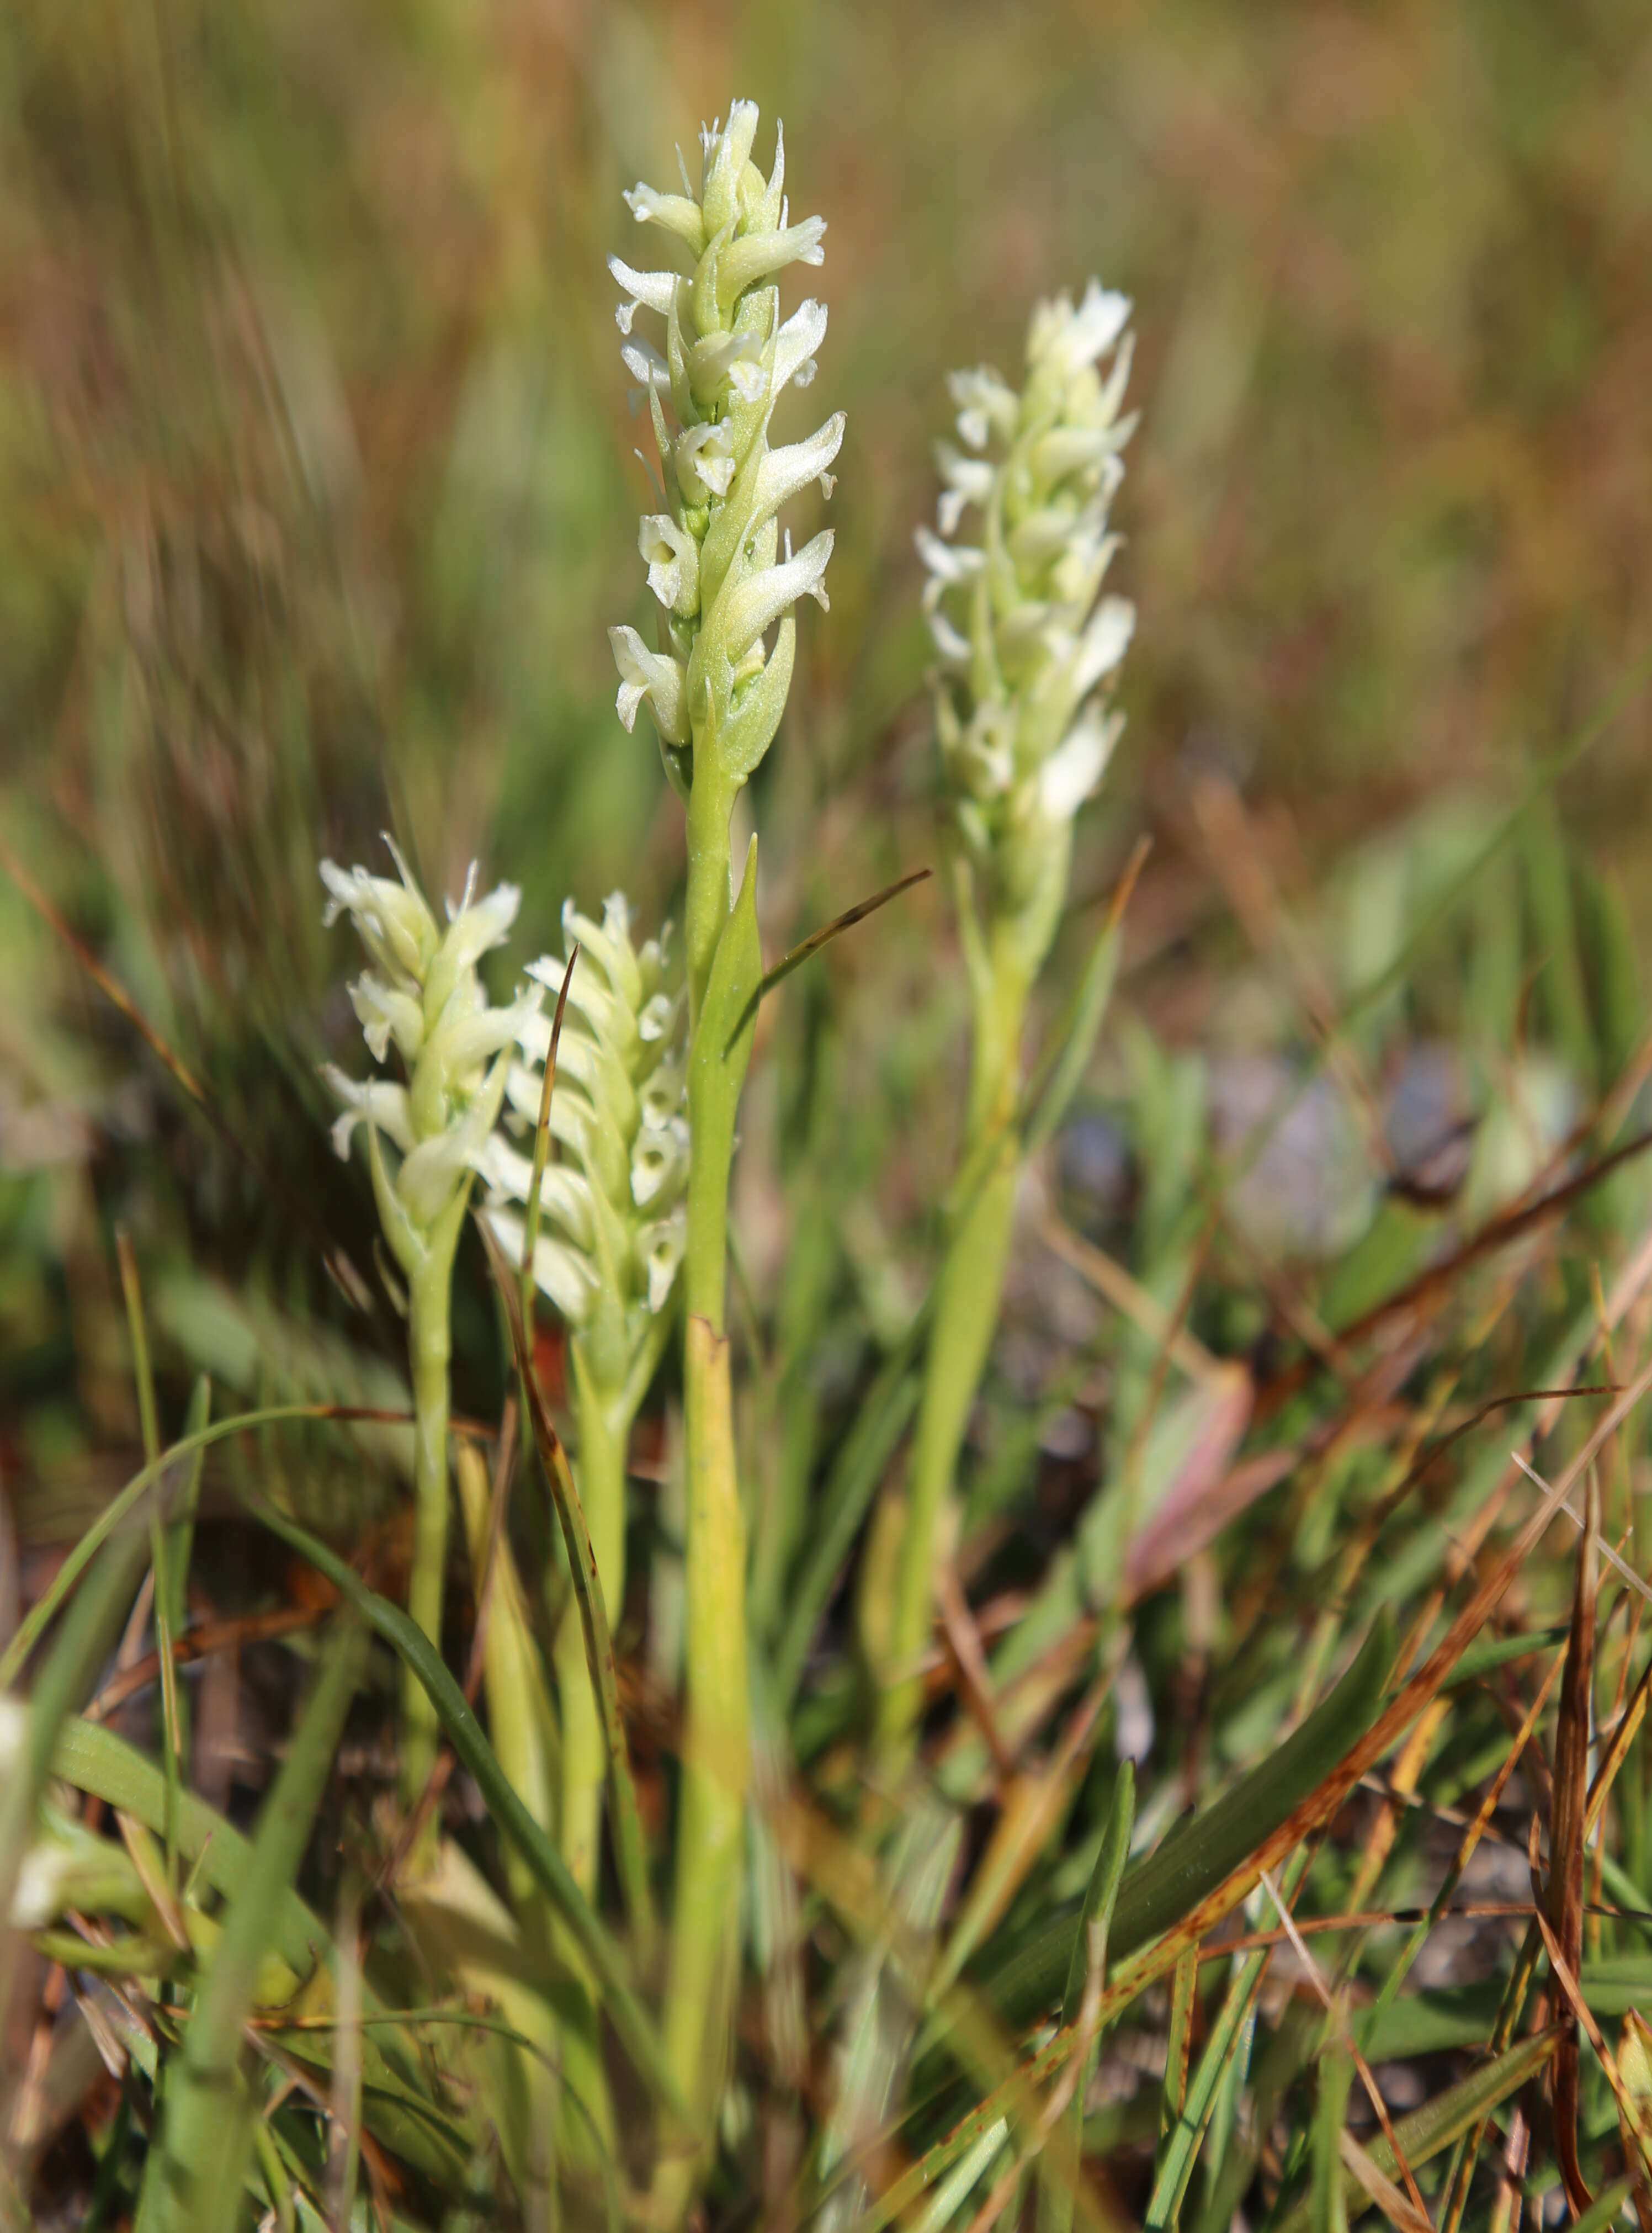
(316, 490)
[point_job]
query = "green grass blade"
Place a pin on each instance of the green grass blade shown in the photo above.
(1429, 2130)
(1100, 1895)
(193, 2178)
(842, 1506)
(1050, 1097)
(465, 1734)
(163, 1593)
(1058, 2189)
(180, 1544)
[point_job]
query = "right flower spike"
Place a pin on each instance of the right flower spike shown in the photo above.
(1026, 641)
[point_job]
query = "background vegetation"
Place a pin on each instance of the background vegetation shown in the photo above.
(316, 498)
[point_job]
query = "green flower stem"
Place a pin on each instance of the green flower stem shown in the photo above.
(968, 1290)
(716, 1759)
(429, 1343)
(716, 1747)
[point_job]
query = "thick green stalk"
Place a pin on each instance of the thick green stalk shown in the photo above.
(716, 1748)
(428, 1347)
(969, 1289)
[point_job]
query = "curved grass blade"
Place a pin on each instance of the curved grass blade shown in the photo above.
(193, 2176)
(1088, 1962)
(841, 1506)
(465, 1734)
(816, 940)
(30, 1630)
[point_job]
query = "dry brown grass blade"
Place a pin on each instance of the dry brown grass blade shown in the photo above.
(963, 1640)
(1439, 1283)
(1566, 1976)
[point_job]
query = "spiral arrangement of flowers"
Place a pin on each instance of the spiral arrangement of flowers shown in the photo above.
(713, 550)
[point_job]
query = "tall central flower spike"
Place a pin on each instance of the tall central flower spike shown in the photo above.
(713, 551)
(1026, 641)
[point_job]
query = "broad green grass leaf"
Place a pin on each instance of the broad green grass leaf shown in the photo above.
(1197, 1855)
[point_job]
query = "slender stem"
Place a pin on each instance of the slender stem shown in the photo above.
(700, 1992)
(429, 1343)
(700, 1996)
(969, 1289)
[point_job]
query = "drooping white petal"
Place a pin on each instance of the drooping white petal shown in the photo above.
(762, 599)
(655, 675)
(1096, 323)
(677, 213)
(953, 647)
(1105, 643)
(372, 1101)
(559, 1271)
(798, 340)
(644, 363)
(672, 557)
(382, 1012)
(704, 456)
(715, 358)
(1071, 773)
(783, 473)
(653, 291)
(392, 919)
(951, 563)
(985, 406)
(667, 1242)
